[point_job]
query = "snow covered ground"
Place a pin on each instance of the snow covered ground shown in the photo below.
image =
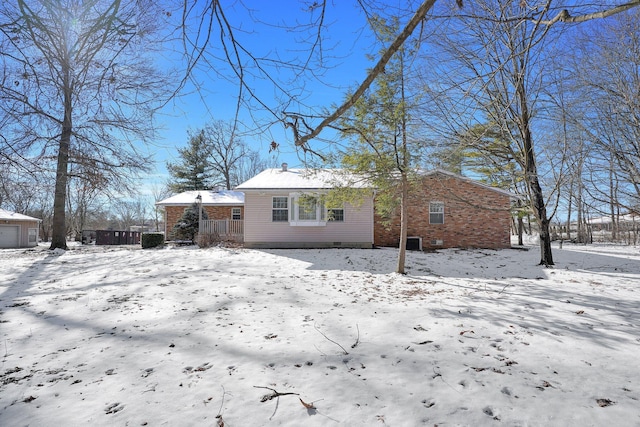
(235, 337)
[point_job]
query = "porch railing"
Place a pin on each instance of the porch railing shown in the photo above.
(223, 228)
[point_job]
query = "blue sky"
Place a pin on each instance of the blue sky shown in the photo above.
(265, 31)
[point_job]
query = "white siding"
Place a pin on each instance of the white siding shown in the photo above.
(260, 231)
(8, 238)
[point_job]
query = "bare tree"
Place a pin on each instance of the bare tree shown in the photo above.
(227, 153)
(127, 213)
(496, 66)
(84, 192)
(82, 89)
(250, 165)
(158, 193)
(216, 37)
(609, 114)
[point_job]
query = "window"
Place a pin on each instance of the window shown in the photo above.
(280, 209)
(307, 210)
(436, 213)
(335, 215)
(236, 213)
(33, 235)
(304, 210)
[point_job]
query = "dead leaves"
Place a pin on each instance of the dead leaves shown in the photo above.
(307, 405)
(604, 402)
(545, 384)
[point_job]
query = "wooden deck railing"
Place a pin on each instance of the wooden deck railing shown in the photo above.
(223, 228)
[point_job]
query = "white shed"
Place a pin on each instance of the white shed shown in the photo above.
(17, 230)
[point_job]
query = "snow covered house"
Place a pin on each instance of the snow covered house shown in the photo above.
(284, 208)
(17, 230)
(451, 211)
(224, 209)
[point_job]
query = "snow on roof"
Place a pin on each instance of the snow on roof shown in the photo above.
(630, 217)
(303, 179)
(209, 197)
(308, 179)
(6, 215)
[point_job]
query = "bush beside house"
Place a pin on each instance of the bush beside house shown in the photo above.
(152, 240)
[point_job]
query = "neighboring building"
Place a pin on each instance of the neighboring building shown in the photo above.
(17, 230)
(219, 205)
(448, 210)
(283, 208)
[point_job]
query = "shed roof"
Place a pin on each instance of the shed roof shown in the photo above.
(209, 197)
(8, 215)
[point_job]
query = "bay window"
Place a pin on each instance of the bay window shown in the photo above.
(304, 210)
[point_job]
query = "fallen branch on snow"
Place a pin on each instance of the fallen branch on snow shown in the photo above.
(275, 393)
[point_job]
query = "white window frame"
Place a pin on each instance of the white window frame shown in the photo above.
(333, 219)
(236, 213)
(320, 215)
(436, 208)
(274, 208)
(33, 235)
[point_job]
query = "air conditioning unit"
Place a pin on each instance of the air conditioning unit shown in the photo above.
(414, 243)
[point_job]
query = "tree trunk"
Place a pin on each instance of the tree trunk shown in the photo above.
(581, 232)
(539, 208)
(612, 204)
(59, 232)
(520, 231)
(569, 206)
(402, 249)
(404, 168)
(531, 174)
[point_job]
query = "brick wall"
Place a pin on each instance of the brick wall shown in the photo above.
(474, 216)
(174, 213)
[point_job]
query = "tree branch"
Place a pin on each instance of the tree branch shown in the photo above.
(565, 16)
(302, 140)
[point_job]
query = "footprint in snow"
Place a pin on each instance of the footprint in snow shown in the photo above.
(491, 412)
(113, 408)
(428, 403)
